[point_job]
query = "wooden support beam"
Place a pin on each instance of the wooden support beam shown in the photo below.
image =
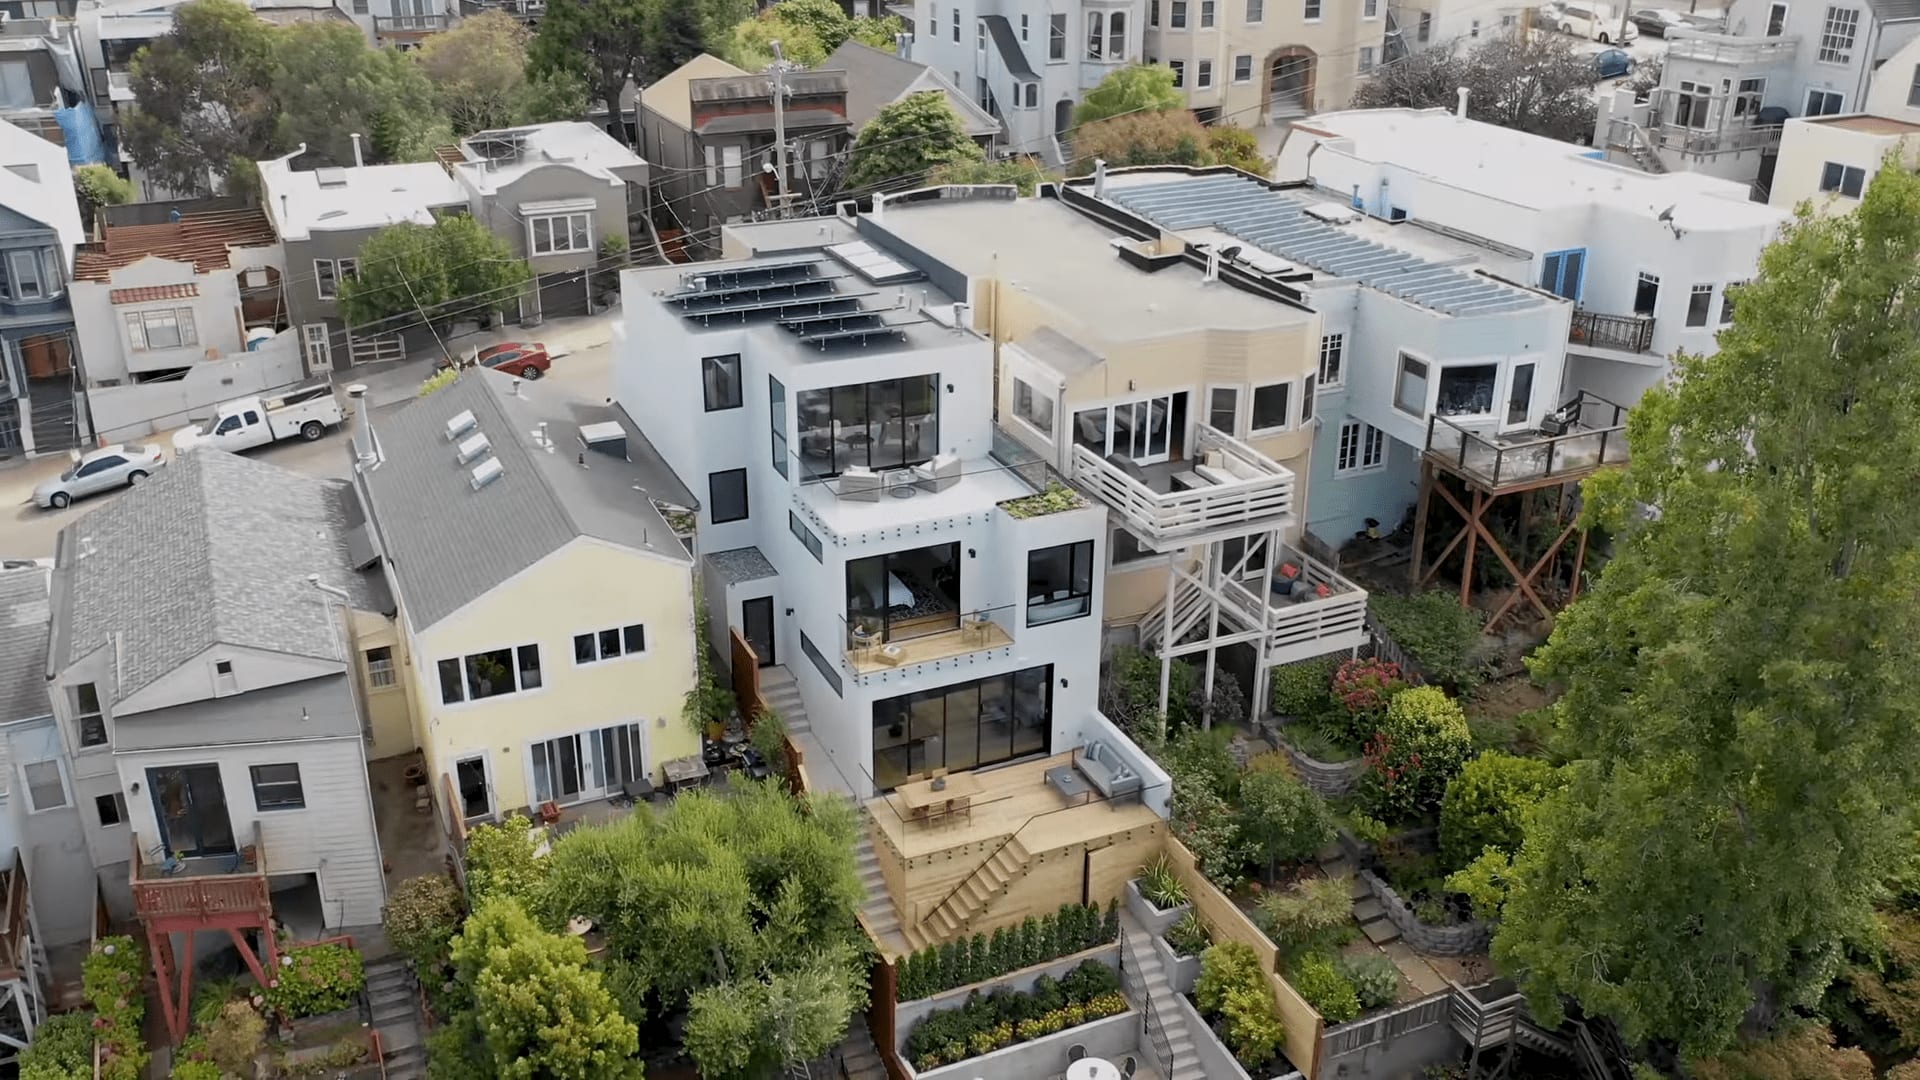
(1480, 502)
(1420, 523)
(1553, 549)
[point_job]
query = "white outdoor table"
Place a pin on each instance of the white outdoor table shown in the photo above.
(1093, 1068)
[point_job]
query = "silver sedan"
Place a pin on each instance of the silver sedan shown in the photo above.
(105, 468)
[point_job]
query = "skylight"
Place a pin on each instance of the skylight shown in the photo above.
(877, 267)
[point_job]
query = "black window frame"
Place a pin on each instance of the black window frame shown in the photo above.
(726, 362)
(821, 664)
(807, 537)
(1078, 585)
(829, 415)
(777, 423)
(623, 646)
(1837, 178)
(897, 722)
(458, 681)
(297, 801)
(714, 503)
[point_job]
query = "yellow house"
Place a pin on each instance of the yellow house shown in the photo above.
(546, 605)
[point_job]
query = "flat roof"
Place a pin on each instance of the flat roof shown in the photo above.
(363, 197)
(1068, 260)
(1282, 223)
(1528, 170)
(497, 158)
(1872, 125)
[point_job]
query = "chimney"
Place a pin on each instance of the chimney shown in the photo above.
(366, 449)
(1460, 110)
(1213, 265)
(357, 158)
(1099, 178)
(879, 207)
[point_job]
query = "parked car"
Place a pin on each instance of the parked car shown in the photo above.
(1657, 21)
(527, 359)
(1595, 22)
(109, 467)
(1612, 64)
(307, 411)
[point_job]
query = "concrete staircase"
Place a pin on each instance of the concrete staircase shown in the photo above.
(1149, 976)
(395, 1003)
(878, 908)
(973, 895)
(783, 696)
(1367, 911)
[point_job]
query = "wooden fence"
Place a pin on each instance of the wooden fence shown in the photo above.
(1228, 923)
(746, 694)
(883, 988)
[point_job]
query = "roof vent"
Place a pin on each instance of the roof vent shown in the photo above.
(1333, 213)
(474, 447)
(330, 177)
(486, 473)
(462, 423)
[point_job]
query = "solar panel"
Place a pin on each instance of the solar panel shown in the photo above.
(784, 307)
(862, 334)
(718, 278)
(874, 265)
(1287, 227)
(751, 296)
(843, 320)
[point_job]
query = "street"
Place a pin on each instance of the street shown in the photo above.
(581, 371)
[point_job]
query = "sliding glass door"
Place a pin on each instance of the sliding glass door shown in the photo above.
(588, 765)
(964, 726)
(889, 424)
(191, 805)
(903, 594)
(1142, 431)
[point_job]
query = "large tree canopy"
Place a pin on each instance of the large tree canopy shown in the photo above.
(478, 71)
(409, 274)
(1139, 88)
(1541, 84)
(907, 140)
(605, 43)
(1740, 700)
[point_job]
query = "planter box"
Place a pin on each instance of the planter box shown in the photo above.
(1216, 1061)
(1329, 779)
(909, 1013)
(1155, 920)
(1111, 1037)
(1182, 971)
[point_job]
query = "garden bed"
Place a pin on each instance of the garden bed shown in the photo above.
(908, 1013)
(1462, 938)
(1216, 1061)
(1300, 741)
(1110, 1037)
(942, 1042)
(1155, 919)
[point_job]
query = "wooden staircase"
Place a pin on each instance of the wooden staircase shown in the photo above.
(971, 897)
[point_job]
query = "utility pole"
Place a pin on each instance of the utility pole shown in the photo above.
(780, 121)
(1620, 38)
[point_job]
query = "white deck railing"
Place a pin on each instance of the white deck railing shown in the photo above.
(1301, 630)
(1731, 48)
(1263, 492)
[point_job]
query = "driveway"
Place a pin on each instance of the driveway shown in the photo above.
(582, 369)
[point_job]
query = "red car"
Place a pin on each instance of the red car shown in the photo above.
(527, 359)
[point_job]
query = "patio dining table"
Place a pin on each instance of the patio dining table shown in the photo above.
(684, 771)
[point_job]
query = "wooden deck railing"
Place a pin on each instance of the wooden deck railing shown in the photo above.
(1595, 435)
(187, 895)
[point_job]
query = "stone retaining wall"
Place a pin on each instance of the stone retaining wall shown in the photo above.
(1460, 940)
(1330, 779)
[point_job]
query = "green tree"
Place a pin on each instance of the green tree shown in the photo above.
(752, 1028)
(1743, 770)
(1422, 742)
(1282, 819)
(1804, 1051)
(501, 863)
(202, 96)
(327, 84)
(1171, 137)
(1023, 173)
(1542, 84)
(478, 71)
(1486, 805)
(907, 140)
(443, 272)
(678, 35)
(97, 186)
(1237, 147)
(542, 1010)
(1137, 88)
(603, 43)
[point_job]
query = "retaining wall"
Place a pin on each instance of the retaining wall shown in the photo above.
(1458, 940)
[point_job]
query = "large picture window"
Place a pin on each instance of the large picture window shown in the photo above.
(965, 726)
(493, 673)
(903, 594)
(1059, 583)
(1467, 391)
(560, 234)
(889, 424)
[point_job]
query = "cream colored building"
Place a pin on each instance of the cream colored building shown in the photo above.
(547, 606)
(1828, 161)
(1252, 62)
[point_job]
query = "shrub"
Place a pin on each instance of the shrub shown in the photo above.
(1486, 805)
(235, 1037)
(1226, 965)
(1376, 981)
(1161, 885)
(1362, 689)
(1071, 929)
(62, 1047)
(1303, 690)
(110, 980)
(422, 915)
(1189, 936)
(500, 861)
(1235, 992)
(316, 979)
(1282, 819)
(991, 1021)
(1437, 631)
(1307, 917)
(1422, 743)
(1325, 988)
(1366, 828)
(196, 1070)
(1130, 695)
(1483, 882)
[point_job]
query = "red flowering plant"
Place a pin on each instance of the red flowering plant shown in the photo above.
(1363, 688)
(1422, 743)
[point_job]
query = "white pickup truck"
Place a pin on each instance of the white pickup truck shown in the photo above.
(306, 410)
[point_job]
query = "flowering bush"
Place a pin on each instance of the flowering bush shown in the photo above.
(1363, 689)
(1421, 744)
(316, 979)
(110, 979)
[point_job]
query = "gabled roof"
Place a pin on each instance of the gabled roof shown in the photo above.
(24, 615)
(205, 239)
(215, 549)
(450, 542)
(36, 181)
(877, 78)
(669, 98)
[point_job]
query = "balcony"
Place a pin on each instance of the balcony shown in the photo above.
(1703, 142)
(1625, 333)
(1310, 614)
(1224, 488)
(1581, 436)
(871, 651)
(201, 892)
(409, 25)
(1731, 49)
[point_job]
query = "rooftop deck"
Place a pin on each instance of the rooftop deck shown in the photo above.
(1585, 434)
(1012, 796)
(1240, 491)
(1731, 48)
(832, 505)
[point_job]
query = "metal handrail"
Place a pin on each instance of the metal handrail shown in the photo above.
(1155, 1029)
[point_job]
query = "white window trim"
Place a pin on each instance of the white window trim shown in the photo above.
(1293, 408)
(1319, 7)
(1844, 58)
(1242, 399)
(1263, 15)
(646, 647)
(1159, 561)
(66, 786)
(1323, 384)
(1036, 391)
(587, 746)
(183, 321)
(1237, 80)
(374, 673)
(1431, 377)
(485, 754)
(1361, 466)
(1370, 9)
(555, 224)
(326, 286)
(1203, 75)
(465, 702)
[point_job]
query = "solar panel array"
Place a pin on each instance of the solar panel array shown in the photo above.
(810, 305)
(1279, 224)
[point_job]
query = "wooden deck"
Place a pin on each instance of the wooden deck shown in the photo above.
(1015, 796)
(943, 645)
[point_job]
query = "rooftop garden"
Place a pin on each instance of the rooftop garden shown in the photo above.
(1057, 498)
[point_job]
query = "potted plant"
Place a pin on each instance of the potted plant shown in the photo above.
(488, 671)
(1157, 897)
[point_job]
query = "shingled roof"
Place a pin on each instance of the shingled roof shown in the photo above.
(204, 239)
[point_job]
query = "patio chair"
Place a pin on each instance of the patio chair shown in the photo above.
(1127, 1067)
(1075, 1053)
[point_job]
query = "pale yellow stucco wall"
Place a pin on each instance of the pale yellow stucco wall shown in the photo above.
(389, 707)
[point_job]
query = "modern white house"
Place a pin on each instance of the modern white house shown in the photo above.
(1026, 63)
(861, 527)
(1723, 98)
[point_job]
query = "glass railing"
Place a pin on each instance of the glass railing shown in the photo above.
(874, 643)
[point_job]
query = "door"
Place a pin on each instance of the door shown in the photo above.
(190, 805)
(319, 348)
(557, 773)
(98, 475)
(475, 793)
(756, 618)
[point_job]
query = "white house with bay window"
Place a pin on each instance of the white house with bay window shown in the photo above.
(862, 526)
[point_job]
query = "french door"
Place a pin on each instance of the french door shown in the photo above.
(589, 765)
(1141, 430)
(190, 804)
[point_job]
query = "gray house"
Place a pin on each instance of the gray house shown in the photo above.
(203, 669)
(39, 229)
(877, 78)
(322, 217)
(560, 194)
(707, 126)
